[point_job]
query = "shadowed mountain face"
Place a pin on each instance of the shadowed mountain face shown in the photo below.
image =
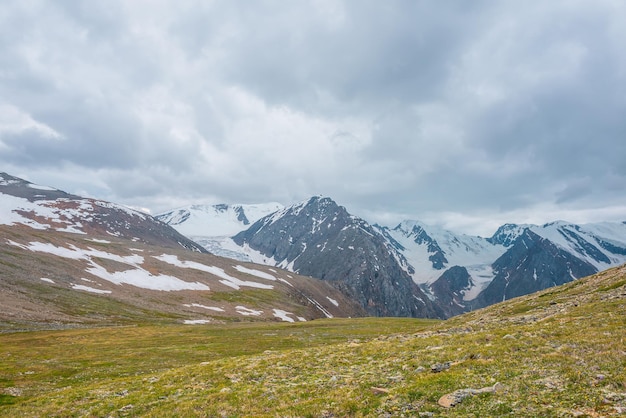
(321, 239)
(449, 289)
(532, 263)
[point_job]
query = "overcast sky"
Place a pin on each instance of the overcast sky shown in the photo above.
(466, 114)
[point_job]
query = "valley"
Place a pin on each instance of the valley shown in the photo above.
(109, 312)
(559, 352)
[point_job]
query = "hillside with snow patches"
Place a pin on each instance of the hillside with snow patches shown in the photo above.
(65, 259)
(447, 273)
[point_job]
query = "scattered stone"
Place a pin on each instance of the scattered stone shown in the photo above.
(126, 408)
(451, 399)
(508, 337)
(426, 414)
(226, 390)
(122, 393)
(439, 367)
(12, 391)
(420, 369)
(379, 391)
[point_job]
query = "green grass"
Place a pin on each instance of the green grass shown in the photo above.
(560, 355)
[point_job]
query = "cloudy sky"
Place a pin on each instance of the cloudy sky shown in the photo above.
(464, 114)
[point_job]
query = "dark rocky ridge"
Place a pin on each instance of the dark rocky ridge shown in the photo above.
(532, 263)
(448, 290)
(321, 239)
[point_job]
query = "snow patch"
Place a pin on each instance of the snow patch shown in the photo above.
(45, 279)
(144, 279)
(283, 315)
(38, 187)
(228, 280)
(256, 273)
(89, 289)
(333, 301)
(242, 310)
(137, 276)
(197, 305)
(196, 321)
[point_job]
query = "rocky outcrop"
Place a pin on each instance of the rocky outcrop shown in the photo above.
(449, 288)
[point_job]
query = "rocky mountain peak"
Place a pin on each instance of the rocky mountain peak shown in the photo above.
(319, 238)
(415, 231)
(507, 234)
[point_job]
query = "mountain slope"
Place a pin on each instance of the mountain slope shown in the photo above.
(69, 260)
(211, 226)
(216, 220)
(46, 208)
(532, 263)
(321, 239)
(431, 250)
(516, 260)
(543, 256)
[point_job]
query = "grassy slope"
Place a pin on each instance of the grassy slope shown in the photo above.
(561, 352)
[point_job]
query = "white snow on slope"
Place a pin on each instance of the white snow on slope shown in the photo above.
(242, 310)
(253, 272)
(283, 315)
(475, 253)
(62, 215)
(89, 289)
(197, 305)
(11, 205)
(39, 187)
(136, 276)
(196, 321)
(611, 232)
(216, 220)
(139, 277)
(228, 280)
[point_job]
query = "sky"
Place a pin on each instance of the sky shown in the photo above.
(462, 114)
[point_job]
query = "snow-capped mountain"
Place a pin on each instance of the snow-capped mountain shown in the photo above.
(516, 260)
(456, 271)
(216, 220)
(321, 239)
(602, 244)
(431, 250)
(211, 226)
(548, 255)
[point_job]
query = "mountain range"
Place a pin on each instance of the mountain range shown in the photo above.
(66, 260)
(413, 268)
(73, 259)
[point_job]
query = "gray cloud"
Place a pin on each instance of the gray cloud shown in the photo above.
(455, 112)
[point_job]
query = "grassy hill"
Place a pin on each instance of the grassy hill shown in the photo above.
(560, 352)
